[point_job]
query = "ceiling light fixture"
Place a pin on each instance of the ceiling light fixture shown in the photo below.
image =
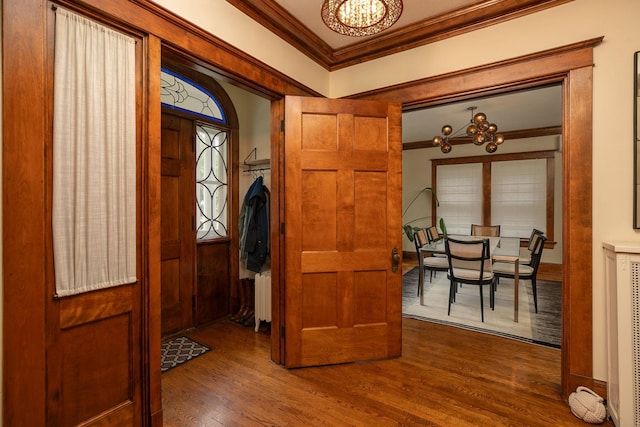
(479, 129)
(358, 18)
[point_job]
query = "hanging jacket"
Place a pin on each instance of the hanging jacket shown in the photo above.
(254, 223)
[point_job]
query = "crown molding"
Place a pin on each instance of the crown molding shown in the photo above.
(276, 19)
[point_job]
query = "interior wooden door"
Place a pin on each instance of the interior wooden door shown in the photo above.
(343, 197)
(177, 235)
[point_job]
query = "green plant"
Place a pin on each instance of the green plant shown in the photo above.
(443, 227)
(407, 227)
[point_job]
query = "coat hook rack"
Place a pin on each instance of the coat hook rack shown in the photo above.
(255, 164)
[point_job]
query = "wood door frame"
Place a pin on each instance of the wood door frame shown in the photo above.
(25, 136)
(572, 66)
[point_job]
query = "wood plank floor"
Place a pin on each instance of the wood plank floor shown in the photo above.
(445, 377)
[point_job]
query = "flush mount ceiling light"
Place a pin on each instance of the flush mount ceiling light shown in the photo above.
(479, 129)
(360, 18)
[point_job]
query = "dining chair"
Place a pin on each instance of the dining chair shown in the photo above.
(469, 263)
(434, 236)
(526, 260)
(485, 230)
(525, 272)
(431, 264)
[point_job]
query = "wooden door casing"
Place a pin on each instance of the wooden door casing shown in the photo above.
(176, 230)
(342, 220)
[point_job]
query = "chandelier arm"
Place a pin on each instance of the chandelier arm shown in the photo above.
(456, 133)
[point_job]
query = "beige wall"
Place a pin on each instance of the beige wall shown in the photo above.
(572, 22)
(229, 24)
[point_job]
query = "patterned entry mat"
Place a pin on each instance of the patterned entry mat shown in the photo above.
(179, 350)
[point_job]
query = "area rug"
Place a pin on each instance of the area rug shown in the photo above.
(178, 351)
(465, 311)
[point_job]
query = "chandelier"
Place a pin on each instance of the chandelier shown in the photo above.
(479, 129)
(360, 18)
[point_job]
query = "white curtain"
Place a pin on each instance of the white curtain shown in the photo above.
(94, 156)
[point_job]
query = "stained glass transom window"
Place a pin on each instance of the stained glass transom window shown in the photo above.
(181, 94)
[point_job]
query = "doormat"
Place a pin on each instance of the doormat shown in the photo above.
(178, 351)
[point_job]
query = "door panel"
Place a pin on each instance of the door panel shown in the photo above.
(79, 361)
(177, 236)
(212, 284)
(342, 220)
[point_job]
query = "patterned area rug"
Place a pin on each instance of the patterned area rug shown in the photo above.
(180, 350)
(542, 328)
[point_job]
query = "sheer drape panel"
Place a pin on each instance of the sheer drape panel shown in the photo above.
(94, 156)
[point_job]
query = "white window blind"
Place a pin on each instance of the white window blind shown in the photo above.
(518, 196)
(459, 189)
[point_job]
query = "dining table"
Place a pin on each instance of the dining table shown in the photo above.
(503, 249)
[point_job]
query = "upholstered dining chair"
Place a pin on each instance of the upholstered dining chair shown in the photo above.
(431, 264)
(469, 263)
(485, 230)
(525, 272)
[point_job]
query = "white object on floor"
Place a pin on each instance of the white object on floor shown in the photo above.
(263, 298)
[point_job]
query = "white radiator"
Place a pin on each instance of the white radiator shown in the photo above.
(622, 275)
(263, 298)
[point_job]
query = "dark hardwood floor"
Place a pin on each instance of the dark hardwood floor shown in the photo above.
(445, 377)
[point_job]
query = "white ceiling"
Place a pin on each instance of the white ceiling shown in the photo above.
(308, 12)
(516, 111)
(535, 108)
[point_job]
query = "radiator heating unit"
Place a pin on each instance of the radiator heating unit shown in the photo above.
(263, 298)
(622, 280)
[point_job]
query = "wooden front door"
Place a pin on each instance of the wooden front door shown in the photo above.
(177, 235)
(343, 200)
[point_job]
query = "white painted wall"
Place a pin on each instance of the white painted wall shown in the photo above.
(254, 117)
(572, 22)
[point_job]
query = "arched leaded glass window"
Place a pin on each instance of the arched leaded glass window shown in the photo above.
(211, 151)
(184, 95)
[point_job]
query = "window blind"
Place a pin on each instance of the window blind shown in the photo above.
(518, 196)
(459, 189)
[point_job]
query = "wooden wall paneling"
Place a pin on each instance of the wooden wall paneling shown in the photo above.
(571, 65)
(106, 364)
(24, 218)
(277, 235)
(151, 202)
(577, 325)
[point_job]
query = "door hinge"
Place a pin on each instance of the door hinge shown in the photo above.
(281, 125)
(282, 228)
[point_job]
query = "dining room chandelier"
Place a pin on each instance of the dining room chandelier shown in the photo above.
(358, 18)
(479, 129)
